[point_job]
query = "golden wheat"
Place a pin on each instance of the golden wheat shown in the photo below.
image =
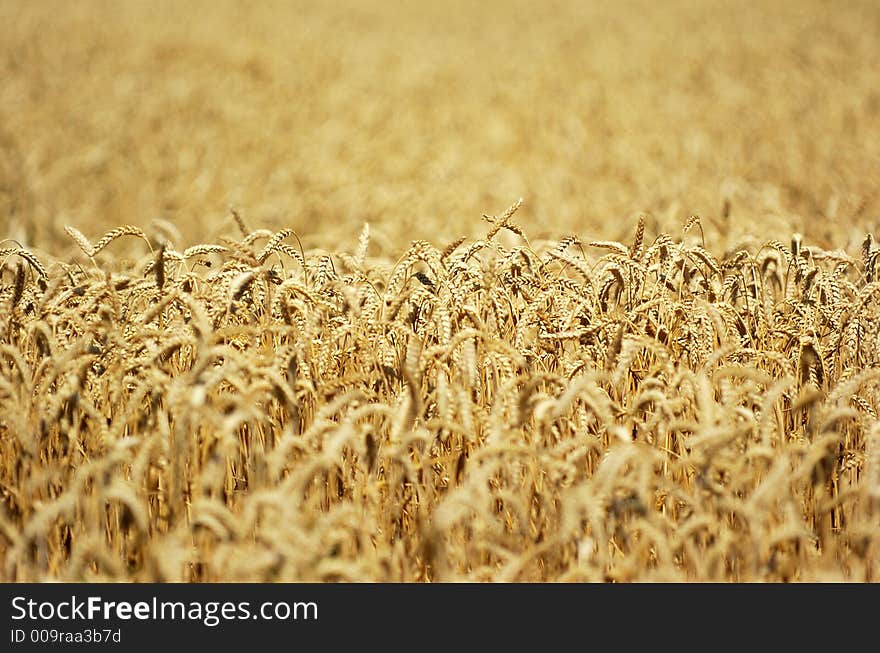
(304, 356)
(189, 427)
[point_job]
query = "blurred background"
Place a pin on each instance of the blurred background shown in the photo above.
(418, 117)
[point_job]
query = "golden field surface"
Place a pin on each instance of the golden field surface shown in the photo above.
(272, 309)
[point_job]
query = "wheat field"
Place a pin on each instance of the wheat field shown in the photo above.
(439, 292)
